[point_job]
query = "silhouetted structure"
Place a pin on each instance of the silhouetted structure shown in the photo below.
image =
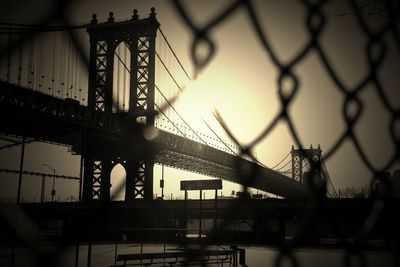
(106, 136)
(139, 35)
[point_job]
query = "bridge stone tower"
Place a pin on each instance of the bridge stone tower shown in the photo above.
(312, 155)
(139, 36)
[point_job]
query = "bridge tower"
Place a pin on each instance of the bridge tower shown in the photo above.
(139, 36)
(299, 156)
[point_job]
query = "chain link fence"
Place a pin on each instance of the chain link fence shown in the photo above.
(288, 86)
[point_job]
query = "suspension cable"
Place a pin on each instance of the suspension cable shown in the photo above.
(122, 62)
(176, 83)
(159, 109)
(169, 103)
(209, 127)
(173, 52)
(169, 73)
(180, 89)
(328, 177)
(283, 166)
(276, 165)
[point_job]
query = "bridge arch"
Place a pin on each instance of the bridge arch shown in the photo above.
(117, 182)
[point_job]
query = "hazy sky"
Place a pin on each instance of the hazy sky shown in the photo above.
(240, 83)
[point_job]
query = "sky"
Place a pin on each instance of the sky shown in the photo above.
(241, 83)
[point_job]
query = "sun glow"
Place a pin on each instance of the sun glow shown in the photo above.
(211, 91)
(198, 99)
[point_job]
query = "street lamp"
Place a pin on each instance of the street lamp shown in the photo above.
(53, 191)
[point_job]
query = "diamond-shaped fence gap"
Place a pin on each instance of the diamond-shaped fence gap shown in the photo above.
(347, 167)
(374, 17)
(287, 36)
(387, 74)
(349, 158)
(234, 97)
(270, 149)
(209, 10)
(343, 45)
(316, 109)
(371, 129)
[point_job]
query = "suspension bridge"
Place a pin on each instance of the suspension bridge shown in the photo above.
(110, 91)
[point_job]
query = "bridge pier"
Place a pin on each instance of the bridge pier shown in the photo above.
(139, 179)
(139, 36)
(96, 182)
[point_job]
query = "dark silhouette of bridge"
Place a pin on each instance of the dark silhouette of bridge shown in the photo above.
(123, 121)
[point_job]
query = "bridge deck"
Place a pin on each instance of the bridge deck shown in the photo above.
(43, 117)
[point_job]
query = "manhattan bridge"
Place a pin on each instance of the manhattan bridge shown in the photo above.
(109, 91)
(49, 95)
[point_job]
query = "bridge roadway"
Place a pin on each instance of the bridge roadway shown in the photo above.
(29, 113)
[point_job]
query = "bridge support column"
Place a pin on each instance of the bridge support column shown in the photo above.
(87, 178)
(299, 158)
(148, 181)
(105, 185)
(96, 179)
(139, 179)
(139, 36)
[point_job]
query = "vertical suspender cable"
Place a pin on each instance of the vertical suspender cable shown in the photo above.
(42, 62)
(76, 63)
(21, 167)
(19, 60)
(9, 55)
(39, 63)
(46, 63)
(34, 60)
(74, 71)
(127, 88)
(117, 82)
(59, 65)
(125, 56)
(53, 68)
(78, 69)
(30, 63)
(70, 80)
(80, 66)
(67, 61)
(84, 71)
(63, 67)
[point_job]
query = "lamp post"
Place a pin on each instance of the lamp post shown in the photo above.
(53, 191)
(162, 182)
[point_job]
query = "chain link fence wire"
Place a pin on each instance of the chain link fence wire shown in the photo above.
(352, 106)
(352, 110)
